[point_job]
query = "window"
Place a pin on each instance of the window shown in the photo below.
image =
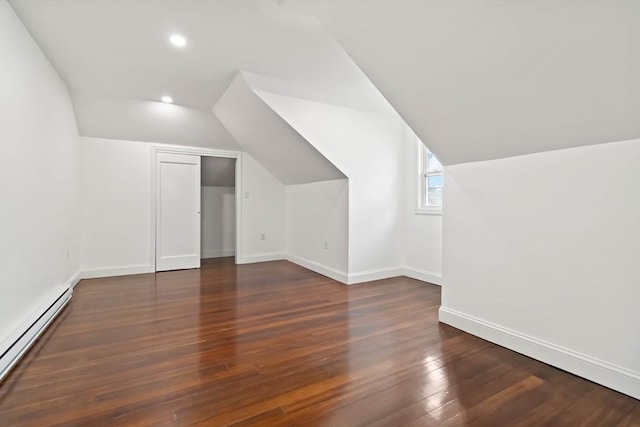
(431, 182)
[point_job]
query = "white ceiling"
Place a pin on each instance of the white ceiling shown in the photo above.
(475, 80)
(270, 139)
(121, 49)
(480, 80)
(137, 120)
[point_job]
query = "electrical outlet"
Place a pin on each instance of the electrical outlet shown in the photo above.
(263, 236)
(326, 245)
(246, 194)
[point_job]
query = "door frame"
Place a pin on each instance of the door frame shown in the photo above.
(202, 152)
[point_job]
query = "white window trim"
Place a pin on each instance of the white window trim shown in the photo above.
(422, 208)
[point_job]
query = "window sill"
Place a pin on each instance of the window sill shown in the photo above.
(429, 211)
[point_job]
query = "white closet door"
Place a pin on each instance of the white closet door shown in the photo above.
(177, 211)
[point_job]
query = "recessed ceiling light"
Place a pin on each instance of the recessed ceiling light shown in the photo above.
(166, 99)
(178, 40)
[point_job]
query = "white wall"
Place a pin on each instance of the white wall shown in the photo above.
(116, 209)
(542, 255)
(369, 149)
(317, 213)
(422, 233)
(116, 206)
(218, 222)
(263, 211)
(137, 120)
(39, 153)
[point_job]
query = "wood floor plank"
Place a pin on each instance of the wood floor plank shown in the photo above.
(277, 345)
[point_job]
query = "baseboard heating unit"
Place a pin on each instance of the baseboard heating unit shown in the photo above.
(20, 346)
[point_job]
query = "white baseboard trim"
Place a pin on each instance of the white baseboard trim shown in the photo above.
(16, 345)
(370, 275)
(218, 254)
(340, 276)
(264, 257)
(123, 270)
(387, 273)
(366, 276)
(598, 371)
(331, 273)
(423, 275)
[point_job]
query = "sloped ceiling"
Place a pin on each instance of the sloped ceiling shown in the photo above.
(121, 49)
(269, 139)
(480, 80)
(475, 80)
(103, 116)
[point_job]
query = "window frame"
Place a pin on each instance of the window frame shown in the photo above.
(423, 173)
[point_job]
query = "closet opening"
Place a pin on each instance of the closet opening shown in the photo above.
(218, 207)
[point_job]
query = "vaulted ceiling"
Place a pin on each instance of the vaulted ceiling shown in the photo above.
(270, 139)
(474, 79)
(480, 80)
(122, 49)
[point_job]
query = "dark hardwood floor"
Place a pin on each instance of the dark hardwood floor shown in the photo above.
(276, 345)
